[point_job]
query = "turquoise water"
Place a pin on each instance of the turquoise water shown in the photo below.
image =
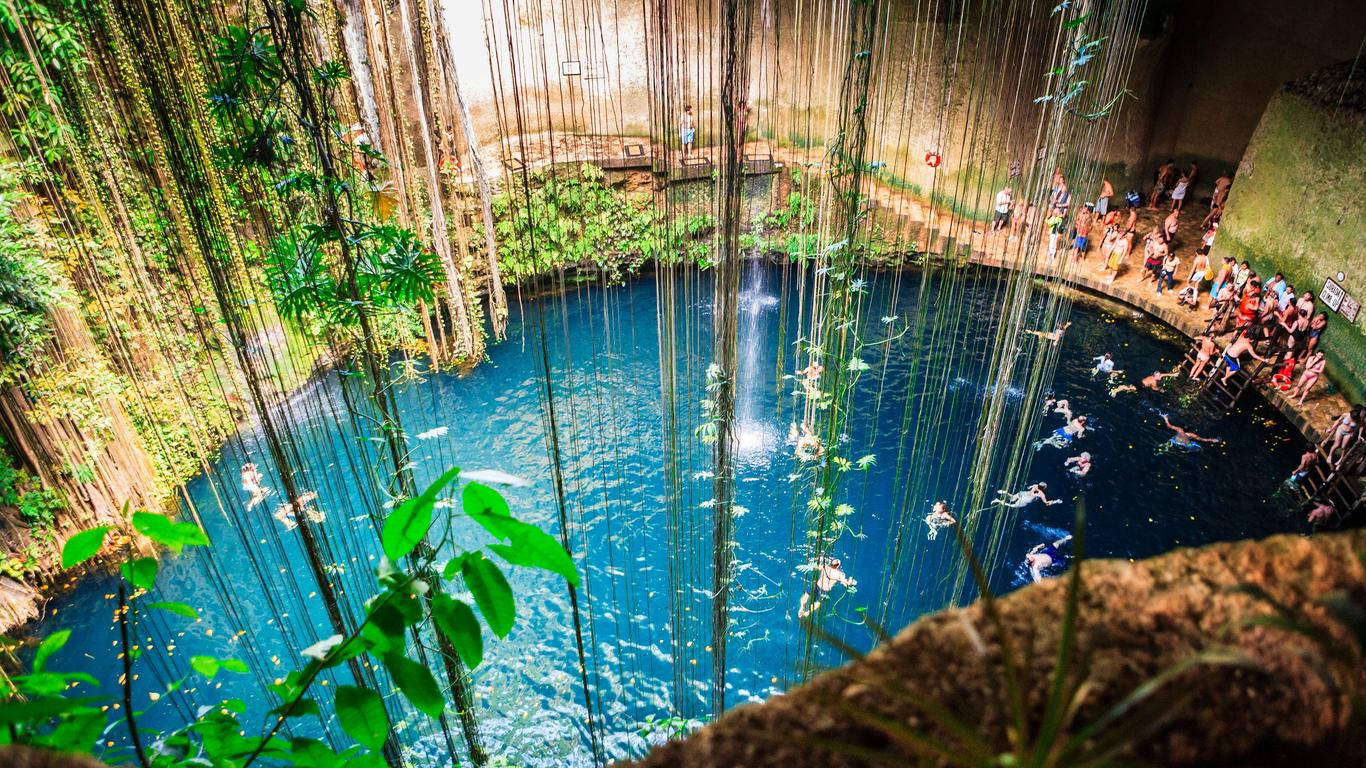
(647, 659)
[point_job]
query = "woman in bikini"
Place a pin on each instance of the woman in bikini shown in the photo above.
(1205, 349)
(1313, 369)
(1343, 431)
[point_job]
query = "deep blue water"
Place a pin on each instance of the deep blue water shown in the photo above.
(646, 658)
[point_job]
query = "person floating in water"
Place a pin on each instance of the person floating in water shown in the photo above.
(1045, 556)
(1063, 436)
(1026, 497)
(939, 517)
(1322, 512)
(829, 577)
(288, 513)
(1154, 380)
(1079, 465)
(811, 377)
(1104, 365)
(808, 446)
(1121, 389)
(1054, 336)
(1054, 405)
(1184, 438)
(251, 483)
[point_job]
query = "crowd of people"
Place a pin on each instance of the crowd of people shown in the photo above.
(1251, 318)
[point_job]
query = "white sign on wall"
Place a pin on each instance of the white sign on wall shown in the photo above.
(1349, 308)
(1331, 294)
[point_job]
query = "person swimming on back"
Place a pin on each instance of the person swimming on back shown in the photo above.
(829, 577)
(251, 483)
(1064, 435)
(1054, 405)
(1154, 379)
(939, 517)
(1184, 438)
(1079, 465)
(1121, 389)
(1026, 497)
(1045, 556)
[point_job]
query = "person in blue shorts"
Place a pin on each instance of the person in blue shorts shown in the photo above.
(1045, 557)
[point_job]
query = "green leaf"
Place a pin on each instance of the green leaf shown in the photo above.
(83, 546)
(302, 708)
(205, 665)
(180, 609)
(168, 533)
(455, 619)
(140, 573)
(50, 645)
(384, 629)
(491, 592)
(416, 683)
(361, 714)
(236, 666)
(407, 524)
(528, 545)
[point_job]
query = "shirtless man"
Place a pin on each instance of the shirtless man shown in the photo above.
(1233, 356)
(1082, 226)
(1221, 186)
(1044, 556)
(1152, 380)
(1064, 435)
(811, 376)
(1079, 465)
(1184, 438)
(1107, 191)
(1026, 497)
(1204, 352)
(829, 577)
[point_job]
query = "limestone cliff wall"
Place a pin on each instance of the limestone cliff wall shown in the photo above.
(1296, 207)
(1136, 620)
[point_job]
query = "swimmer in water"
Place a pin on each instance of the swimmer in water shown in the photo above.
(1052, 404)
(830, 576)
(1185, 438)
(1322, 512)
(1104, 364)
(811, 376)
(1121, 389)
(1054, 336)
(1063, 436)
(1045, 556)
(251, 483)
(808, 446)
(939, 517)
(288, 513)
(1079, 465)
(1026, 497)
(1154, 379)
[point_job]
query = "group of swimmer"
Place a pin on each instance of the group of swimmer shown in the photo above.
(288, 513)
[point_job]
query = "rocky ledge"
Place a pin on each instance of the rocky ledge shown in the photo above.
(1288, 700)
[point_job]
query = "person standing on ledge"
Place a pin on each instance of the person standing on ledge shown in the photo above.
(1179, 192)
(686, 131)
(1002, 216)
(1103, 199)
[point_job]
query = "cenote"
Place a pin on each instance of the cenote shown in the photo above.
(644, 601)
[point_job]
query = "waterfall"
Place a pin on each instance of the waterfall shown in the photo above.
(755, 436)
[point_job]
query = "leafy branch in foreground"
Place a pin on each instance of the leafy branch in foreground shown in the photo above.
(39, 709)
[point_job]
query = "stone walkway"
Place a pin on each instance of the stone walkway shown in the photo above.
(923, 221)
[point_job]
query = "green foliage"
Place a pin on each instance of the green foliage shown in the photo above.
(30, 283)
(38, 709)
(83, 546)
(31, 111)
(566, 222)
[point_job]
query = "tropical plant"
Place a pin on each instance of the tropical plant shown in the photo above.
(38, 707)
(30, 283)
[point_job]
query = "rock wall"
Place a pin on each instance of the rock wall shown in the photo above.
(1136, 620)
(1227, 59)
(1296, 207)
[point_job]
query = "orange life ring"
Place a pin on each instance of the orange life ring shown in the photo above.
(932, 159)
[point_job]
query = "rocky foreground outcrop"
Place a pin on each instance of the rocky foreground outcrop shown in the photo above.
(1136, 620)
